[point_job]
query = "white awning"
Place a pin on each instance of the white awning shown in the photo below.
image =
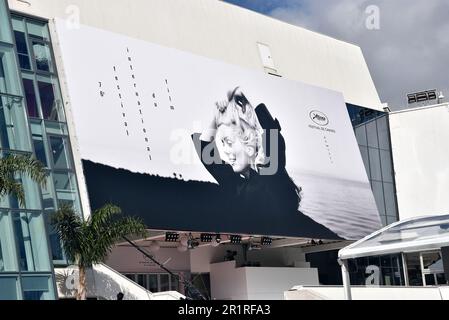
(411, 235)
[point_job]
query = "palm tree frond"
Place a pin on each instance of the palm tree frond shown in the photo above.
(12, 187)
(14, 164)
(69, 227)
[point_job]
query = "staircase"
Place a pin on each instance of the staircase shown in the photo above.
(104, 283)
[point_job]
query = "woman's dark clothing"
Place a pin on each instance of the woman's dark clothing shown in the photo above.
(265, 204)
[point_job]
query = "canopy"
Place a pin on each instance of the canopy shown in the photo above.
(411, 235)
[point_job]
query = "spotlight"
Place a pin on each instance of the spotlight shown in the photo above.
(171, 237)
(266, 241)
(236, 239)
(205, 237)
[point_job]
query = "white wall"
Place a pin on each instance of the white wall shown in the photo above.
(225, 32)
(256, 283)
(420, 143)
(371, 293)
(228, 282)
(105, 283)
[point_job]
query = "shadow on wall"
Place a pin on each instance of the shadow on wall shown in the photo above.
(100, 285)
(175, 204)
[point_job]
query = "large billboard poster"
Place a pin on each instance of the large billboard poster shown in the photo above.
(193, 144)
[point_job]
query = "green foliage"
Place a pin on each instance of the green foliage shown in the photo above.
(89, 242)
(11, 167)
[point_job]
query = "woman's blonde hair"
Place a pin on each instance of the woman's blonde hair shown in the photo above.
(240, 114)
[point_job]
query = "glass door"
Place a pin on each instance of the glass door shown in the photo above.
(432, 268)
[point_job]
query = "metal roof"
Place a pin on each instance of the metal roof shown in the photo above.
(411, 235)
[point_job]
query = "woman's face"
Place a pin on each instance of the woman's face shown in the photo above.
(232, 150)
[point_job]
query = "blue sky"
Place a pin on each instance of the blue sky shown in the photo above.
(409, 53)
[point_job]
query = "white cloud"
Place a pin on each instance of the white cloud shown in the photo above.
(410, 52)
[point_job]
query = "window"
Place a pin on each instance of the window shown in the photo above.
(13, 125)
(38, 30)
(42, 56)
(8, 261)
(37, 288)
(60, 152)
(5, 31)
(8, 72)
(50, 102)
(21, 43)
(31, 241)
(10, 288)
(30, 97)
(156, 282)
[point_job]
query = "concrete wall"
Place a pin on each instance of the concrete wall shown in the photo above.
(225, 32)
(420, 146)
(227, 282)
(256, 283)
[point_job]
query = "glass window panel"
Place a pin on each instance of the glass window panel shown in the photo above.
(130, 276)
(153, 284)
(379, 196)
(18, 24)
(42, 56)
(441, 279)
(37, 288)
(38, 30)
(387, 168)
(174, 284)
(391, 219)
(142, 280)
(414, 269)
(48, 196)
(32, 195)
(64, 181)
(57, 252)
(50, 99)
(390, 202)
(5, 29)
(22, 50)
(365, 157)
(164, 282)
(39, 149)
(30, 96)
(9, 78)
(360, 133)
(13, 124)
(32, 242)
(60, 152)
(375, 168)
(8, 260)
(9, 287)
(56, 128)
(371, 134)
(36, 127)
(382, 131)
(384, 220)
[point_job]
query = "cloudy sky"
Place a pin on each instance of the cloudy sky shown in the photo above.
(409, 52)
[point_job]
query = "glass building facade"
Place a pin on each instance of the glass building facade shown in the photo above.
(373, 137)
(32, 121)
